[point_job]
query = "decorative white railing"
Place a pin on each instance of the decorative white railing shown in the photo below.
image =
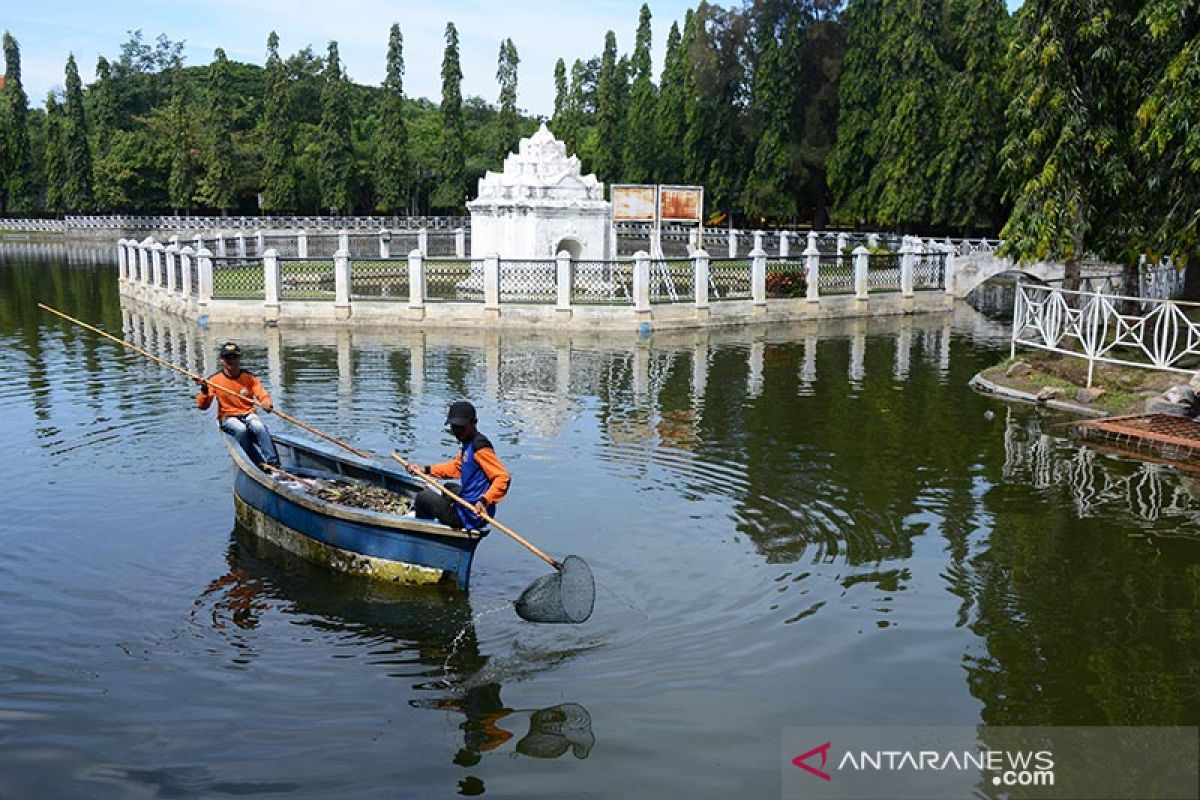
(1093, 326)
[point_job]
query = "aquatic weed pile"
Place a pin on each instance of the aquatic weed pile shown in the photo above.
(362, 495)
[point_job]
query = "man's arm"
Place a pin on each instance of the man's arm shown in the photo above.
(204, 397)
(447, 469)
(496, 472)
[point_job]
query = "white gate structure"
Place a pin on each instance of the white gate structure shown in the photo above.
(1091, 325)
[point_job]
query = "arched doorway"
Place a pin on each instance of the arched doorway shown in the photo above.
(571, 245)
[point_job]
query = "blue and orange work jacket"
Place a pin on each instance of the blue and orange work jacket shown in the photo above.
(482, 474)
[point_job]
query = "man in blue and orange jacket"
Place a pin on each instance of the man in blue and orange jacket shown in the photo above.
(484, 478)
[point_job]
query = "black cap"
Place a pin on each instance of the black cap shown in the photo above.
(229, 349)
(461, 413)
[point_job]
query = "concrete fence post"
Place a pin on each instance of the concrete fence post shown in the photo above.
(260, 243)
(156, 250)
(950, 273)
(784, 245)
(873, 241)
(198, 242)
(144, 261)
(271, 285)
(812, 274)
(241, 243)
(205, 266)
(700, 278)
(758, 277)
(341, 283)
(641, 282)
(907, 257)
(185, 271)
(491, 284)
(812, 240)
(562, 282)
(171, 252)
(460, 243)
(423, 241)
(221, 251)
(385, 243)
(122, 261)
(843, 242)
(416, 284)
(860, 272)
(758, 240)
(344, 242)
(732, 243)
(302, 243)
(694, 242)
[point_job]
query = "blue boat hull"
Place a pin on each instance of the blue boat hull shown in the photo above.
(349, 540)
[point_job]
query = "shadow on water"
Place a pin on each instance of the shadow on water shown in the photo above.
(433, 626)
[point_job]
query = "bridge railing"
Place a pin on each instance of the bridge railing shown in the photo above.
(1098, 327)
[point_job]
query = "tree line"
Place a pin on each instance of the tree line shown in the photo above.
(1072, 128)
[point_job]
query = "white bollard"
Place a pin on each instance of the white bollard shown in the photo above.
(271, 284)
(860, 272)
(562, 281)
(423, 240)
(205, 266)
(641, 281)
(341, 283)
(416, 280)
(812, 274)
(302, 243)
(385, 243)
(758, 276)
(171, 253)
(732, 243)
(784, 245)
(185, 271)
(491, 281)
(700, 278)
(907, 257)
(460, 243)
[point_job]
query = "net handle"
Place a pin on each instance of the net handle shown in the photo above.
(486, 517)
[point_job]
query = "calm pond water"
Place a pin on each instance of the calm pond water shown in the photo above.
(791, 525)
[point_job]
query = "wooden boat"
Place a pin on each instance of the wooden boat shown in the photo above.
(389, 547)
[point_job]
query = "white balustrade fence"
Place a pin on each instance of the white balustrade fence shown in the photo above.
(1097, 327)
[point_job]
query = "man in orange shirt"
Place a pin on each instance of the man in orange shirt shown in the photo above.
(484, 478)
(239, 396)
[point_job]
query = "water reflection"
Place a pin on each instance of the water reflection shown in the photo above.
(425, 633)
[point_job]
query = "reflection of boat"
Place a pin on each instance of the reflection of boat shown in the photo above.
(387, 546)
(433, 623)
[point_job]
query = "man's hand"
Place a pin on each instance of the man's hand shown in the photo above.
(481, 508)
(203, 384)
(415, 468)
(266, 407)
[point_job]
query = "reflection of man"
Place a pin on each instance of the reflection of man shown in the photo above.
(239, 395)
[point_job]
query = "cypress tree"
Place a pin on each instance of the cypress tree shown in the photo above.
(671, 114)
(1070, 129)
(508, 123)
(561, 98)
(77, 183)
(640, 157)
(17, 171)
(393, 167)
(965, 189)
(859, 128)
(698, 106)
(56, 154)
(607, 161)
(183, 181)
(279, 191)
(914, 75)
(451, 190)
(216, 188)
(572, 126)
(335, 165)
(775, 176)
(109, 169)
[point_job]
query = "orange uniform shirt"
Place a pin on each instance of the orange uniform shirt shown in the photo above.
(245, 385)
(493, 469)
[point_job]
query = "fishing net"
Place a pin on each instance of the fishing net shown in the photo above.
(553, 730)
(566, 595)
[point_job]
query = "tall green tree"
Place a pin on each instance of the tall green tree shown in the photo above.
(335, 165)
(278, 131)
(571, 132)
(607, 158)
(111, 172)
(671, 110)
(77, 185)
(508, 121)
(1074, 86)
(56, 154)
(777, 172)
(1169, 133)
(216, 188)
(451, 190)
(965, 189)
(393, 165)
(641, 148)
(184, 178)
(17, 169)
(914, 76)
(561, 97)
(860, 128)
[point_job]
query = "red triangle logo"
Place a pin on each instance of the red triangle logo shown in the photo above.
(819, 772)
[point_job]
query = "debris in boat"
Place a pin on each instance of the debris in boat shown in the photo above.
(361, 495)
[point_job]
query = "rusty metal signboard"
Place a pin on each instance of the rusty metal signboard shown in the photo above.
(633, 203)
(681, 203)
